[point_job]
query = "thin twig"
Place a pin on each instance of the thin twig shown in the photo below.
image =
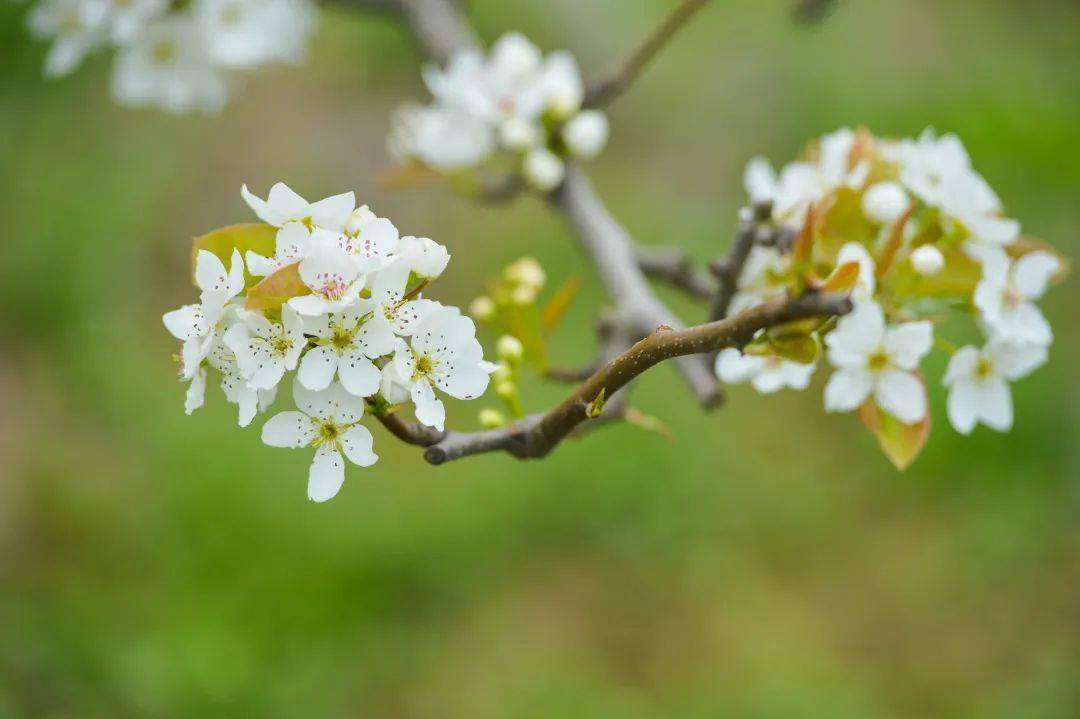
(536, 435)
(673, 265)
(608, 88)
(729, 269)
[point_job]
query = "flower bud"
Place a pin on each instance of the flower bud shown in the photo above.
(491, 418)
(426, 257)
(543, 169)
(509, 349)
(502, 374)
(526, 271)
(927, 260)
(519, 134)
(482, 308)
(506, 390)
(523, 295)
(884, 202)
(586, 135)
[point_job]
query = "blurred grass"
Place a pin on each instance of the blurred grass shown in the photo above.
(768, 563)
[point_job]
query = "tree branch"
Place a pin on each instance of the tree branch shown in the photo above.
(608, 88)
(612, 251)
(729, 269)
(673, 265)
(536, 435)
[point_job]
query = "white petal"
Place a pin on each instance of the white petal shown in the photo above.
(429, 408)
(1014, 361)
(247, 400)
(358, 374)
(322, 404)
(284, 205)
(732, 366)
(961, 366)
(258, 265)
(908, 343)
(196, 392)
(857, 334)
(408, 316)
(901, 395)
(463, 380)
(994, 404)
(768, 381)
(759, 179)
(317, 368)
(376, 337)
(962, 406)
(288, 429)
(186, 323)
(333, 212)
(846, 390)
(1033, 271)
(356, 442)
(210, 274)
(393, 388)
(326, 475)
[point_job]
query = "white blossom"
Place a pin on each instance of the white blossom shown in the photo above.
(444, 137)
(283, 206)
(878, 361)
(425, 257)
(195, 324)
(244, 34)
(764, 276)
(346, 342)
(767, 374)
(978, 382)
(76, 27)
(1005, 294)
(127, 19)
(801, 184)
(327, 421)
(332, 275)
(167, 67)
(249, 399)
(266, 350)
(444, 353)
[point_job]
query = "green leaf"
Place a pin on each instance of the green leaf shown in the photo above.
(900, 442)
(276, 289)
(255, 236)
(795, 346)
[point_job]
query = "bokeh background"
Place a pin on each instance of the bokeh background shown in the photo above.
(768, 562)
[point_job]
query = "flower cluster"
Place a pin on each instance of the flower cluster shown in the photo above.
(513, 107)
(912, 231)
(176, 57)
(340, 303)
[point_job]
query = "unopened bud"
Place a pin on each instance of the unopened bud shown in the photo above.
(526, 271)
(927, 260)
(523, 295)
(884, 202)
(519, 134)
(543, 169)
(509, 349)
(491, 418)
(482, 308)
(586, 135)
(506, 390)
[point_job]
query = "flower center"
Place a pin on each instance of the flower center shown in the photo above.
(281, 345)
(341, 338)
(1010, 297)
(984, 368)
(331, 286)
(877, 361)
(425, 365)
(328, 432)
(163, 52)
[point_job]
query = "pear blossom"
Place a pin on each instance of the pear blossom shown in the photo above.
(978, 382)
(266, 350)
(346, 342)
(372, 239)
(195, 324)
(167, 67)
(127, 19)
(879, 361)
(328, 421)
(444, 137)
(767, 374)
(77, 27)
(283, 206)
(392, 311)
(1005, 294)
(238, 390)
(444, 353)
(331, 274)
(244, 34)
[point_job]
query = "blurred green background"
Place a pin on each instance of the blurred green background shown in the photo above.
(768, 562)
